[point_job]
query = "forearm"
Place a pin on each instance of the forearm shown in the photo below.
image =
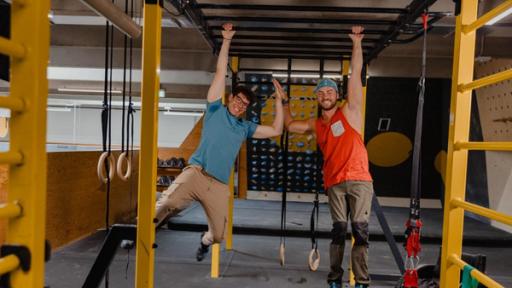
(219, 80)
(222, 61)
(356, 62)
(279, 118)
(287, 115)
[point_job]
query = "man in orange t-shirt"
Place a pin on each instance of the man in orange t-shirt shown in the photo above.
(347, 179)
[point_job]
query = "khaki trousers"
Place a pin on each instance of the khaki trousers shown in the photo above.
(193, 184)
(350, 199)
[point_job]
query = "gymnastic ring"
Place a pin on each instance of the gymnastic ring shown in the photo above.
(101, 170)
(314, 259)
(281, 254)
(124, 176)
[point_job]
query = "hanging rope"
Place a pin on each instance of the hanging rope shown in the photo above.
(314, 255)
(414, 224)
(284, 147)
(106, 160)
(124, 156)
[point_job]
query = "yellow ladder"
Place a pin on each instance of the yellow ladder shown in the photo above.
(24, 251)
(458, 143)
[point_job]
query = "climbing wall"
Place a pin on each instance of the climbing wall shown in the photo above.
(265, 161)
(495, 111)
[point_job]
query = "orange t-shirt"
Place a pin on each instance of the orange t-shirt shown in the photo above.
(345, 156)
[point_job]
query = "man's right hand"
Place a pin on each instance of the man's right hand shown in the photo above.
(228, 31)
(280, 94)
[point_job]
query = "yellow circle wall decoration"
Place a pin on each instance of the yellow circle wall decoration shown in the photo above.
(389, 149)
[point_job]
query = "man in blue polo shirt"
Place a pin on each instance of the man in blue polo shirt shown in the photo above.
(224, 130)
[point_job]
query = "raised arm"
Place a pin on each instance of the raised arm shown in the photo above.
(355, 86)
(294, 126)
(218, 85)
(264, 131)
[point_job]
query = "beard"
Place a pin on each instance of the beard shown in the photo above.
(329, 107)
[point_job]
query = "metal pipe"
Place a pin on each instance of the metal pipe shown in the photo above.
(303, 8)
(482, 82)
(313, 57)
(273, 51)
(296, 38)
(288, 45)
(482, 211)
(10, 157)
(301, 30)
(10, 210)
(487, 17)
(416, 8)
(15, 104)
(116, 16)
(9, 263)
(11, 48)
(484, 146)
(475, 273)
(300, 20)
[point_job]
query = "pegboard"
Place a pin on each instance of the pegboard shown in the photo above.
(495, 101)
(265, 156)
(495, 109)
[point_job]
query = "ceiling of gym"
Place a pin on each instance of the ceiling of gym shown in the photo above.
(78, 38)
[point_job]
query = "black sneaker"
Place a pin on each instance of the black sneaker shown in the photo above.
(202, 250)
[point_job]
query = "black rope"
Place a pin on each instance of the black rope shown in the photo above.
(131, 110)
(284, 147)
(314, 219)
(416, 160)
(125, 45)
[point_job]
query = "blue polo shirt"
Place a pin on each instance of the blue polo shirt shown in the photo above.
(221, 138)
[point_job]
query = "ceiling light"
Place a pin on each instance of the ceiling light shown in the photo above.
(58, 109)
(305, 75)
(183, 113)
(500, 16)
(81, 90)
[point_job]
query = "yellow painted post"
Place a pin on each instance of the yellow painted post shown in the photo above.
(215, 260)
(345, 70)
(148, 144)
(460, 111)
(27, 181)
(229, 228)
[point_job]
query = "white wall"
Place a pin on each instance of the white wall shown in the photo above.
(76, 125)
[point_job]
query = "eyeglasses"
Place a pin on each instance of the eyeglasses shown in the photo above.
(240, 102)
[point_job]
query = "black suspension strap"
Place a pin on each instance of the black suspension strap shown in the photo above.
(282, 246)
(314, 255)
(125, 155)
(414, 224)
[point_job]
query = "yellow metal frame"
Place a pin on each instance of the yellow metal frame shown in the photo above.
(26, 205)
(458, 145)
(215, 262)
(151, 42)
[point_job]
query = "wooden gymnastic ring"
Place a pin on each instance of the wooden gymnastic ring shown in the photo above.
(101, 170)
(314, 259)
(124, 176)
(281, 254)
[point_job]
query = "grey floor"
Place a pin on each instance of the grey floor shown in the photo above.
(254, 261)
